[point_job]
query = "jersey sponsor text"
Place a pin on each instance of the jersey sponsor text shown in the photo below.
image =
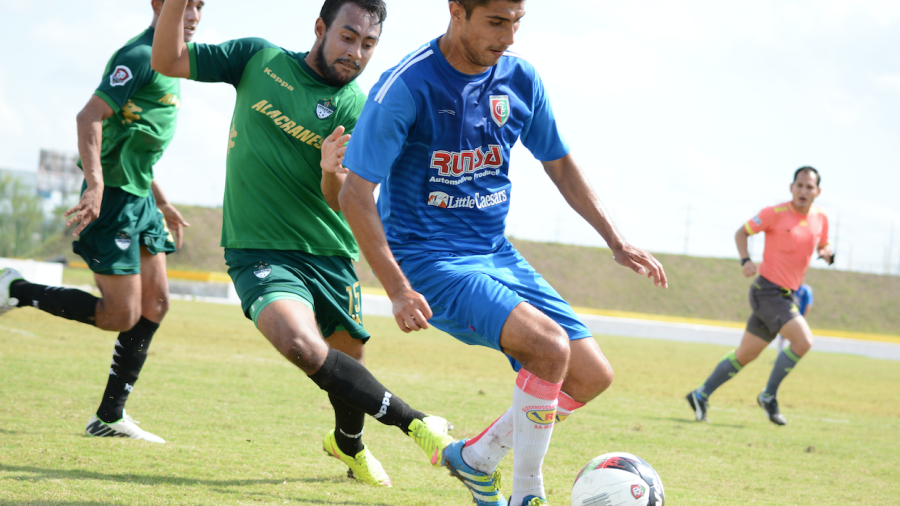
(291, 127)
(455, 164)
(445, 201)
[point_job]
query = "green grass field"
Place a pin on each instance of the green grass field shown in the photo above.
(245, 427)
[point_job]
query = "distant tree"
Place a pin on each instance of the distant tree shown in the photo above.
(21, 218)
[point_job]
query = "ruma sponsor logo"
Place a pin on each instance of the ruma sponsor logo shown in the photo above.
(449, 163)
(542, 416)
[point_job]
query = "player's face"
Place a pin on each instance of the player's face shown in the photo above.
(192, 16)
(490, 30)
(805, 190)
(346, 47)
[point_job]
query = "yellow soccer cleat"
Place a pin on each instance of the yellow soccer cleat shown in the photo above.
(430, 433)
(364, 468)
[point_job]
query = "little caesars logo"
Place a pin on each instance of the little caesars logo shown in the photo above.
(442, 200)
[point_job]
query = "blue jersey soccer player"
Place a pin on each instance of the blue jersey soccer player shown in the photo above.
(436, 133)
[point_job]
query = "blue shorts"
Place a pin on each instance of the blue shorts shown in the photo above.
(472, 296)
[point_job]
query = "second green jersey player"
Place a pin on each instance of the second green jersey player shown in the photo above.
(289, 250)
(122, 219)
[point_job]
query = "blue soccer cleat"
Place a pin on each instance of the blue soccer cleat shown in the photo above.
(485, 488)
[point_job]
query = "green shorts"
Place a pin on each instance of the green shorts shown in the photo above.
(327, 284)
(111, 244)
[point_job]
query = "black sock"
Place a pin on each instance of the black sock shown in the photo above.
(352, 383)
(67, 303)
(129, 355)
(348, 426)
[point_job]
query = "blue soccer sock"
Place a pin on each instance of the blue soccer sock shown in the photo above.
(726, 369)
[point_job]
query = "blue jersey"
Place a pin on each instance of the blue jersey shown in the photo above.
(438, 142)
(805, 297)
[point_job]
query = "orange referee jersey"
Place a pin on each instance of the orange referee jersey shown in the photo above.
(791, 239)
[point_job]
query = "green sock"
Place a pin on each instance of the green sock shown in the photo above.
(724, 371)
(784, 364)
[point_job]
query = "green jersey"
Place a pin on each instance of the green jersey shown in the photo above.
(145, 104)
(283, 111)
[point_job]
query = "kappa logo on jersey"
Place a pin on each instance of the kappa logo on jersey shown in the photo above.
(120, 76)
(638, 491)
(262, 270)
(454, 164)
(324, 109)
(500, 109)
(445, 201)
(278, 80)
(123, 241)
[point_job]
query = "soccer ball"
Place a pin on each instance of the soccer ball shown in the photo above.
(617, 479)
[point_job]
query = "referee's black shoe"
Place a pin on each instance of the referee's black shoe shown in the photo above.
(770, 404)
(698, 404)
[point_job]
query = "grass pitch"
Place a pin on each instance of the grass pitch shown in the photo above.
(245, 427)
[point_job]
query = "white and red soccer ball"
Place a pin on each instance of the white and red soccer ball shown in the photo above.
(619, 479)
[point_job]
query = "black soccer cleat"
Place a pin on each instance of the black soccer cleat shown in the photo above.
(698, 404)
(770, 404)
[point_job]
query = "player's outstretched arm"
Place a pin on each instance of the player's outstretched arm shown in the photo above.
(90, 135)
(170, 54)
(575, 188)
(740, 239)
(333, 171)
(411, 310)
(174, 220)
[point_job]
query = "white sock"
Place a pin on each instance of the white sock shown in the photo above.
(533, 414)
(485, 451)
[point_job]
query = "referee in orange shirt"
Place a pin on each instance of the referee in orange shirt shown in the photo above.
(794, 230)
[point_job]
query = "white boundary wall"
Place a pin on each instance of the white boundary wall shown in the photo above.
(43, 273)
(47, 273)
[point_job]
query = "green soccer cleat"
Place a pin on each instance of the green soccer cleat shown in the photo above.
(430, 433)
(364, 468)
(534, 500)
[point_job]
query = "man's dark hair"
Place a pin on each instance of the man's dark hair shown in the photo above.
(809, 170)
(470, 5)
(331, 8)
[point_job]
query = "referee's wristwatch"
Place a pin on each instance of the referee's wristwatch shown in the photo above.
(744, 260)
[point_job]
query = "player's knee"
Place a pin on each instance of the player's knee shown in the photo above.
(303, 352)
(556, 348)
(121, 320)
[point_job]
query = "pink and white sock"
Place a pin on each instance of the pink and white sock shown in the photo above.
(566, 407)
(533, 415)
(485, 451)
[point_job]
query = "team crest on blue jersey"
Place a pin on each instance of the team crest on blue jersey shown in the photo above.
(262, 270)
(500, 109)
(324, 109)
(123, 241)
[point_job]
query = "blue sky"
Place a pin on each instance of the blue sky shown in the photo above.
(671, 107)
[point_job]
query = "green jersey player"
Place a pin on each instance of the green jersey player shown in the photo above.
(288, 248)
(123, 218)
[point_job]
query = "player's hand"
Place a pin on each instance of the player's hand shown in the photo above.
(749, 269)
(411, 310)
(642, 263)
(333, 149)
(86, 210)
(827, 255)
(175, 222)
